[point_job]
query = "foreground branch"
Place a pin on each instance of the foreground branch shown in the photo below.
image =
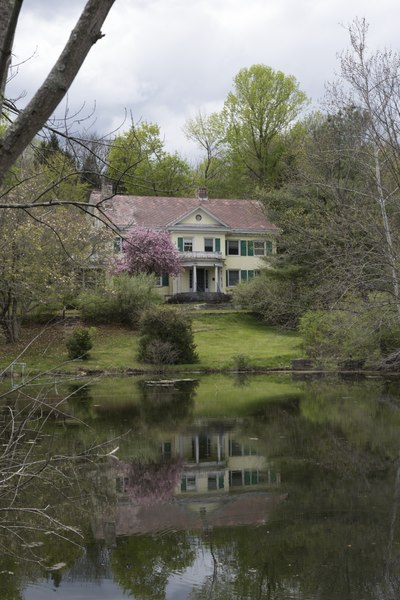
(49, 95)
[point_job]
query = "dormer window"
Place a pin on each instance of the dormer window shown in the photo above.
(198, 217)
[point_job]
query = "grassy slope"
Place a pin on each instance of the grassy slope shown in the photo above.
(219, 337)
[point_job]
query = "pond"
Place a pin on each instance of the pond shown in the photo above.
(216, 487)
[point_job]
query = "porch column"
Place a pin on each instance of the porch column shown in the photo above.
(197, 449)
(194, 278)
(219, 445)
(216, 279)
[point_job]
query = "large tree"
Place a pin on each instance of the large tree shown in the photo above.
(250, 143)
(44, 252)
(139, 164)
(258, 114)
(339, 215)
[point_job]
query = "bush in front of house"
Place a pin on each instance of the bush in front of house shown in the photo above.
(340, 334)
(171, 328)
(79, 343)
(123, 301)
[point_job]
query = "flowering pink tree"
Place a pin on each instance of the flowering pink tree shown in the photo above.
(153, 482)
(148, 251)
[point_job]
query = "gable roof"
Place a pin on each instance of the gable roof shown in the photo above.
(159, 212)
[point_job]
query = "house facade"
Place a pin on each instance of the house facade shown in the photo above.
(221, 242)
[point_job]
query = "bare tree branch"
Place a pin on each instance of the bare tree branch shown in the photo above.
(49, 95)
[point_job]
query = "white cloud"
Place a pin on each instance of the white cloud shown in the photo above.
(163, 61)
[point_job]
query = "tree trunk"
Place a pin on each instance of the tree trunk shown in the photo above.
(49, 95)
(9, 13)
(390, 252)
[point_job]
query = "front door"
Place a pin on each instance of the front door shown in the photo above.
(202, 280)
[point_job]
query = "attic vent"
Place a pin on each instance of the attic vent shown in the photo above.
(202, 193)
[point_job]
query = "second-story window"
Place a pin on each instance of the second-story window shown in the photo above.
(187, 245)
(208, 245)
(232, 247)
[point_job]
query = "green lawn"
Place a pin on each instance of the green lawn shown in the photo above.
(220, 337)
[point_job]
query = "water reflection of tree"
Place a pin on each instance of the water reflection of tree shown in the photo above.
(336, 537)
(45, 491)
(151, 482)
(167, 403)
(142, 565)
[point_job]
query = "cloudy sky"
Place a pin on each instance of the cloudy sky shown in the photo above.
(164, 60)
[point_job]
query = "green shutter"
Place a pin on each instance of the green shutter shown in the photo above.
(226, 247)
(180, 244)
(250, 246)
(183, 484)
(165, 280)
(243, 275)
(268, 245)
(243, 248)
(221, 482)
(247, 477)
(217, 245)
(250, 274)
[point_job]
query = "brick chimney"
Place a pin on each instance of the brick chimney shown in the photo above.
(202, 193)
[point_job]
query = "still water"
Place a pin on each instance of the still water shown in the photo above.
(212, 488)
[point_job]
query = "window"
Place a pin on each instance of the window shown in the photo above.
(262, 248)
(232, 247)
(232, 277)
(118, 244)
(188, 483)
(121, 485)
(187, 244)
(212, 483)
(162, 281)
(208, 245)
(212, 244)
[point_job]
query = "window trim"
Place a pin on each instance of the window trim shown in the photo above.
(228, 277)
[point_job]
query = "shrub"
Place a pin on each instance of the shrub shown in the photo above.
(166, 325)
(97, 307)
(338, 334)
(123, 301)
(277, 301)
(79, 343)
(158, 352)
(240, 362)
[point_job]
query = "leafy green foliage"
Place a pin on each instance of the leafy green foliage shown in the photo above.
(123, 301)
(167, 326)
(79, 343)
(339, 334)
(275, 299)
(140, 164)
(258, 113)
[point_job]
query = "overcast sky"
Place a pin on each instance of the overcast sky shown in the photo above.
(164, 60)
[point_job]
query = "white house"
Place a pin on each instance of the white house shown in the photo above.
(221, 242)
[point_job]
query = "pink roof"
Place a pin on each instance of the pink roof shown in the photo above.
(161, 212)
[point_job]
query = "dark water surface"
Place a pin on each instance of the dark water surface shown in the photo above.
(216, 488)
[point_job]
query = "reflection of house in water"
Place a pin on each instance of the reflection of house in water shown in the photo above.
(225, 481)
(220, 462)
